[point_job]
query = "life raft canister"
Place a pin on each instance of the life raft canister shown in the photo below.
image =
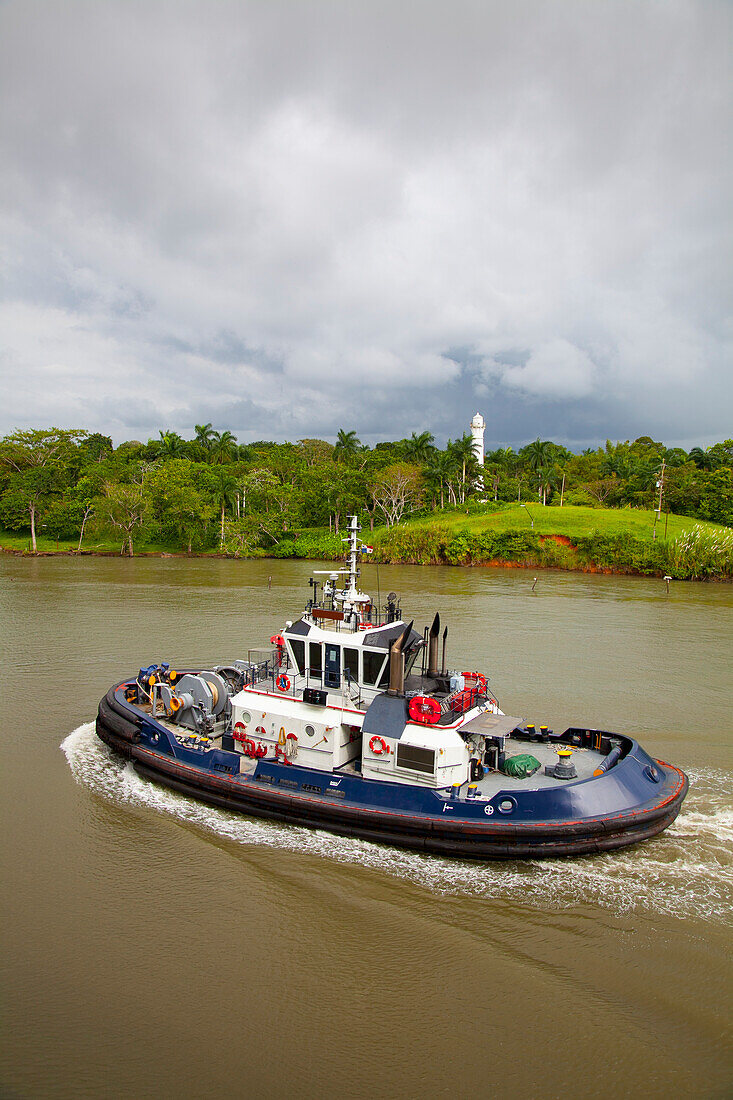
(424, 710)
(282, 682)
(378, 745)
(481, 683)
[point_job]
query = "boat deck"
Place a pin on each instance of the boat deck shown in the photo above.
(585, 761)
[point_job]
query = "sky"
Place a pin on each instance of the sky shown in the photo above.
(287, 217)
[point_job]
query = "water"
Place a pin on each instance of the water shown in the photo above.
(156, 946)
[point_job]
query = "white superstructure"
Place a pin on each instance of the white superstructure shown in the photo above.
(331, 665)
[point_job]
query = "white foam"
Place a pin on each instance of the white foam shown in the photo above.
(687, 871)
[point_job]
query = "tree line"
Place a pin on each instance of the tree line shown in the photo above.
(211, 492)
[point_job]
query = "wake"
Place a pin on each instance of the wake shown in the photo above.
(686, 872)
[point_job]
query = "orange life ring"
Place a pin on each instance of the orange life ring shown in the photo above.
(282, 682)
(424, 709)
(378, 745)
(277, 639)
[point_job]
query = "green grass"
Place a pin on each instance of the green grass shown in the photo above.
(20, 542)
(591, 539)
(569, 520)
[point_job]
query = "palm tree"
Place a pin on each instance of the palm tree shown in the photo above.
(347, 444)
(539, 455)
(171, 444)
(439, 472)
(205, 435)
(224, 489)
(419, 448)
(223, 447)
(701, 458)
(463, 453)
(548, 476)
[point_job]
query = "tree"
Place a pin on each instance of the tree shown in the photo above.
(347, 444)
(39, 465)
(95, 448)
(88, 506)
(171, 444)
(179, 507)
(223, 447)
(716, 502)
(28, 493)
(549, 477)
(205, 436)
(538, 455)
(464, 454)
(124, 507)
(223, 488)
(23, 450)
(602, 488)
(315, 451)
(396, 490)
(419, 448)
(439, 472)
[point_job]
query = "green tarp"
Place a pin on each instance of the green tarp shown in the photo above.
(521, 767)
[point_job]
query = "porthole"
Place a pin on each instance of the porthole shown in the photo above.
(310, 731)
(246, 717)
(507, 805)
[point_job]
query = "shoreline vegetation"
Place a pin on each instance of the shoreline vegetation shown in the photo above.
(588, 540)
(636, 508)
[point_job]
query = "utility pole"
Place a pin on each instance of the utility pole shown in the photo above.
(658, 511)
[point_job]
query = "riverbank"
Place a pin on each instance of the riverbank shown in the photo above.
(587, 540)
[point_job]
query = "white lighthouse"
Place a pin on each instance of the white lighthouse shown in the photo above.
(477, 431)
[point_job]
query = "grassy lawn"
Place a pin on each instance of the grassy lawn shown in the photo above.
(569, 520)
(17, 540)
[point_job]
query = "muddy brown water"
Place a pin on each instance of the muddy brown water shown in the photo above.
(155, 947)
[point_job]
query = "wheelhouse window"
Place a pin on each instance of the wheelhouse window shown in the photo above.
(315, 662)
(297, 647)
(415, 758)
(351, 663)
(375, 667)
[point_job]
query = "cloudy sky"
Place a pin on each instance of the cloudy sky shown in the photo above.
(291, 217)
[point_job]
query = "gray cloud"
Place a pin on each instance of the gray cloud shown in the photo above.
(285, 218)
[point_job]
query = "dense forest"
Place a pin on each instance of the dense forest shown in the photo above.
(210, 493)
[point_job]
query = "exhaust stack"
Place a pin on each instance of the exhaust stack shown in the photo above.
(445, 635)
(433, 669)
(397, 664)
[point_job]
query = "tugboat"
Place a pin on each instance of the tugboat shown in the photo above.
(350, 721)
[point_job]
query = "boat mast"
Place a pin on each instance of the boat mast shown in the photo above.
(351, 593)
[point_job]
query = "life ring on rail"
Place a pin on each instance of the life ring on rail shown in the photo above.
(282, 682)
(424, 710)
(277, 639)
(481, 681)
(378, 745)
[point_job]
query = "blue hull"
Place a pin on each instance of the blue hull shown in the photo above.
(634, 800)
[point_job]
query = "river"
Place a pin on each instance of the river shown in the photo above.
(154, 947)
